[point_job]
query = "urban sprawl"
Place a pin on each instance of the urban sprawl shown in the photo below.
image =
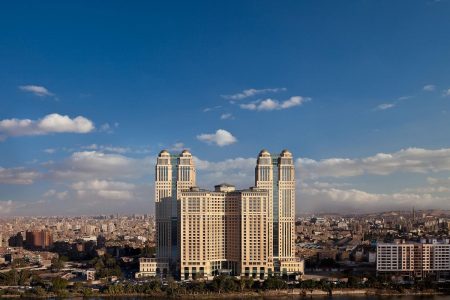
(225, 240)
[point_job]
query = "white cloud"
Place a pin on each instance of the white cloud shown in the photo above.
(427, 190)
(249, 106)
(59, 195)
(98, 185)
(252, 92)
(342, 197)
(212, 108)
(226, 116)
(385, 106)
(221, 138)
(270, 104)
(108, 128)
(233, 164)
(6, 207)
(18, 176)
(103, 148)
(36, 90)
(429, 88)
(415, 160)
(94, 164)
(446, 93)
(354, 200)
(50, 150)
(178, 147)
(113, 190)
(438, 181)
(238, 171)
(52, 123)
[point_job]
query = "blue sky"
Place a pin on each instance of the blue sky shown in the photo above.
(335, 82)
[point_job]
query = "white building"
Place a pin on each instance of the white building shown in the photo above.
(414, 260)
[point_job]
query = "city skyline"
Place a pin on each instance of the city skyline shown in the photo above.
(358, 92)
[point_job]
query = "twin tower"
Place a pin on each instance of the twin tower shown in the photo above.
(251, 232)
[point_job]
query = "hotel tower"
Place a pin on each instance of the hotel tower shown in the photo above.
(174, 173)
(276, 174)
(202, 233)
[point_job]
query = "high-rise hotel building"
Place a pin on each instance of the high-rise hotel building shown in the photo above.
(277, 176)
(203, 233)
(174, 173)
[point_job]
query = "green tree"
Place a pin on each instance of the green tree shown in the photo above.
(58, 263)
(24, 277)
(272, 283)
(86, 292)
(58, 284)
(116, 289)
(39, 291)
(172, 287)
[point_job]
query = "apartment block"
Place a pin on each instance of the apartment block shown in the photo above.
(414, 260)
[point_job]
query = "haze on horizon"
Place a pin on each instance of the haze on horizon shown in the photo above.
(90, 92)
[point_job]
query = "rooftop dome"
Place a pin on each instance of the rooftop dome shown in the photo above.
(285, 152)
(264, 152)
(164, 152)
(185, 152)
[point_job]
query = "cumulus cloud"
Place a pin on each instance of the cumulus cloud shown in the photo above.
(95, 179)
(36, 90)
(415, 160)
(52, 123)
(252, 92)
(355, 200)
(94, 164)
(446, 93)
(113, 190)
(429, 88)
(18, 176)
(238, 171)
(99, 185)
(220, 138)
(270, 104)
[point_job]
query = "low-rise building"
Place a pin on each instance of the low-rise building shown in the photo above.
(151, 267)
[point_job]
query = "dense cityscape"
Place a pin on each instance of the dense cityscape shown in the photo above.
(251, 149)
(335, 247)
(224, 241)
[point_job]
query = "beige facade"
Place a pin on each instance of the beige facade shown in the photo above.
(209, 229)
(173, 173)
(151, 267)
(277, 176)
(204, 233)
